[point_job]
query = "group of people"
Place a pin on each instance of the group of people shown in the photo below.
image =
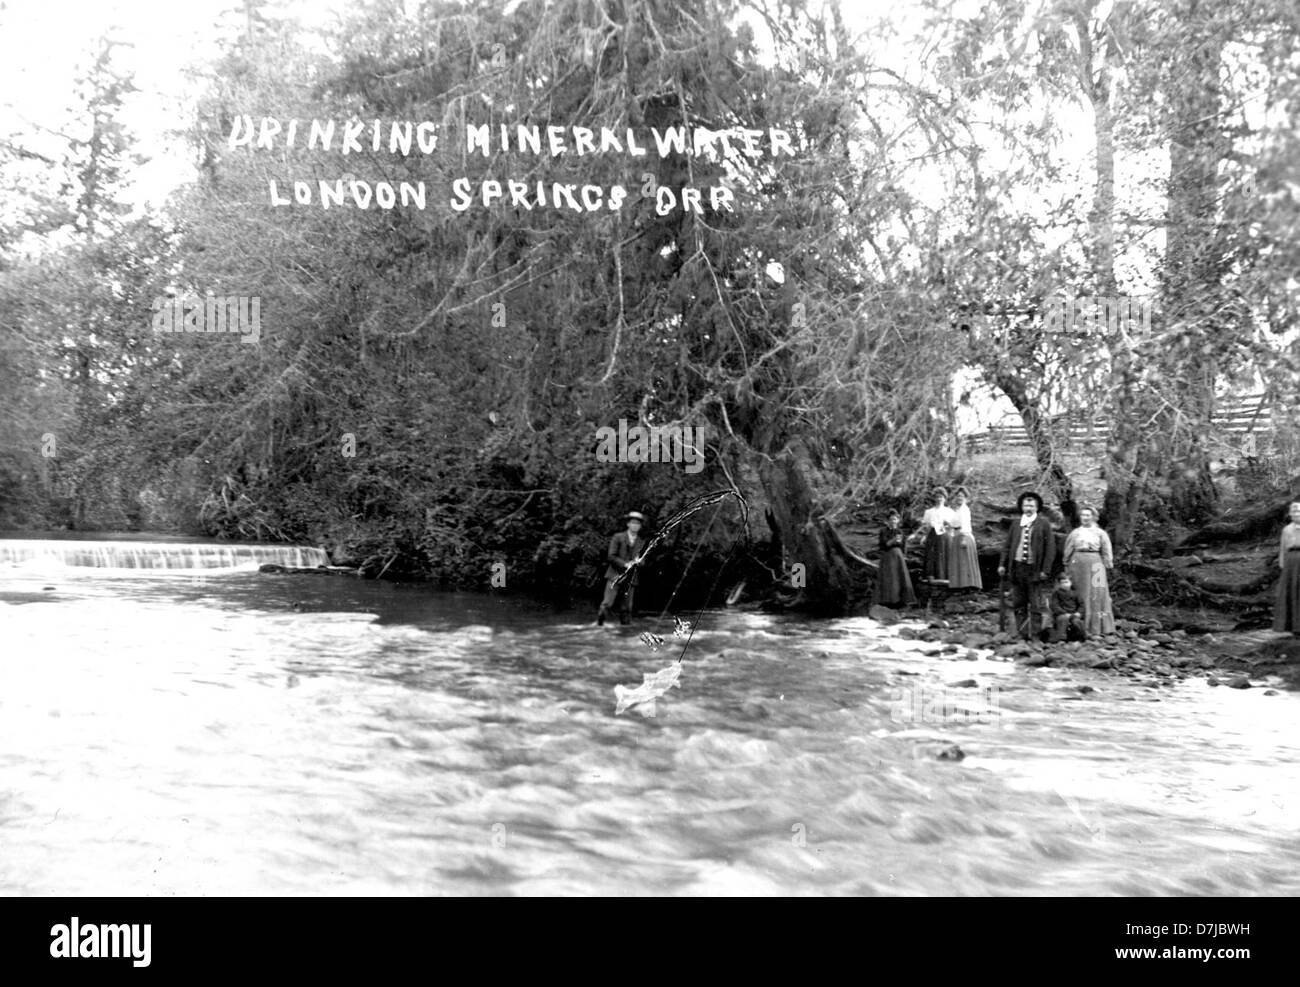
(1059, 584)
(950, 550)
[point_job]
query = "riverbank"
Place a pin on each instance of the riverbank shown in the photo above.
(1147, 651)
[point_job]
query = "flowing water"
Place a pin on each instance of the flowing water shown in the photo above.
(219, 731)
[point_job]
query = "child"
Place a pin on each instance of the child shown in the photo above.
(1067, 624)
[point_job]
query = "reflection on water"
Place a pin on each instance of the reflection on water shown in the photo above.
(249, 734)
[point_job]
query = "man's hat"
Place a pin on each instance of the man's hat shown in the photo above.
(635, 516)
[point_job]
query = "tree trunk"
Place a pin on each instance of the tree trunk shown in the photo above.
(1040, 439)
(1191, 277)
(1126, 447)
(827, 579)
(1259, 522)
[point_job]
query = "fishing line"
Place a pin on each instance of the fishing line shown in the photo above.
(658, 683)
(696, 622)
(691, 561)
(717, 496)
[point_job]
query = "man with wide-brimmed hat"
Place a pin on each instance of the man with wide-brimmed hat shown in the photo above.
(1027, 557)
(624, 547)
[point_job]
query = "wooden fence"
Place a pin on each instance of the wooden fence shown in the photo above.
(1243, 426)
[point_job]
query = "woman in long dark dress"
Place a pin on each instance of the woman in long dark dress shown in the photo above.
(1286, 617)
(894, 585)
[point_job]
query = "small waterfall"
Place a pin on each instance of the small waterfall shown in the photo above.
(153, 555)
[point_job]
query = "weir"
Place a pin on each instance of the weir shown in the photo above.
(154, 555)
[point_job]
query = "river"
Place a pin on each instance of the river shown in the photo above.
(222, 732)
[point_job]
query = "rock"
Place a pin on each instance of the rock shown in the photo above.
(1036, 659)
(1103, 663)
(939, 624)
(1238, 682)
(976, 640)
(965, 684)
(883, 614)
(1085, 689)
(1162, 638)
(1213, 681)
(951, 753)
(909, 634)
(1186, 561)
(1271, 692)
(929, 635)
(1180, 633)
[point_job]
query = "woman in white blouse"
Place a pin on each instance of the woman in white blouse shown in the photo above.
(1286, 616)
(938, 523)
(963, 553)
(1088, 558)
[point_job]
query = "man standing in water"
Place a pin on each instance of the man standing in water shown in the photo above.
(1030, 551)
(623, 550)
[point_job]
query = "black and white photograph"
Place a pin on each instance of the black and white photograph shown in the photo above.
(651, 448)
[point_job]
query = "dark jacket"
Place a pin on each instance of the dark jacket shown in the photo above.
(1059, 566)
(890, 538)
(621, 553)
(1042, 546)
(1064, 601)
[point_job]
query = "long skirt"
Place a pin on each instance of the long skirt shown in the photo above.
(1088, 575)
(936, 554)
(964, 563)
(894, 585)
(1286, 616)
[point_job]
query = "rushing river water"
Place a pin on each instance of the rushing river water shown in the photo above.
(228, 732)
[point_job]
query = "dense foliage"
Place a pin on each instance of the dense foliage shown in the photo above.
(427, 389)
